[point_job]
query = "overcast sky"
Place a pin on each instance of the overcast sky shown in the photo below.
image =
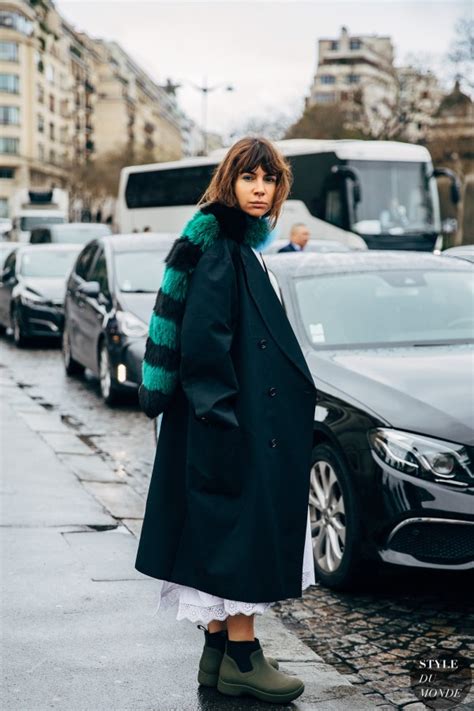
(267, 50)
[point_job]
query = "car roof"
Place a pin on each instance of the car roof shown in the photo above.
(139, 241)
(50, 247)
(297, 264)
(75, 225)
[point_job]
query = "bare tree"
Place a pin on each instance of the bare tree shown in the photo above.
(323, 121)
(461, 52)
(272, 127)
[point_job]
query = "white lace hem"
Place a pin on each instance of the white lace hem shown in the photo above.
(198, 606)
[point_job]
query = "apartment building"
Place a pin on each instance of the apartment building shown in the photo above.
(357, 72)
(132, 108)
(66, 99)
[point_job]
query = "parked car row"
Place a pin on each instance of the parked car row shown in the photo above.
(389, 339)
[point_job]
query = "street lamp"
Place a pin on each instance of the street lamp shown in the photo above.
(170, 88)
(205, 90)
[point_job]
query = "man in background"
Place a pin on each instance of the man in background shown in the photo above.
(299, 236)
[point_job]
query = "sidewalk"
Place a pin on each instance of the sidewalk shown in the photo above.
(78, 626)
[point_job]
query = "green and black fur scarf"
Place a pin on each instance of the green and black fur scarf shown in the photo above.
(160, 367)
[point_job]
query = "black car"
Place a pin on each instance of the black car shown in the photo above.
(32, 290)
(109, 300)
(389, 339)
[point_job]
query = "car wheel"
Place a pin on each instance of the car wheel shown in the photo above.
(71, 366)
(108, 385)
(335, 522)
(19, 338)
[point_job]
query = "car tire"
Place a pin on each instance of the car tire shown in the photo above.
(109, 388)
(335, 514)
(19, 339)
(71, 366)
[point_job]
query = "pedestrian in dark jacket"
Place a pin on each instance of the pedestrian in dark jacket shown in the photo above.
(226, 526)
(299, 236)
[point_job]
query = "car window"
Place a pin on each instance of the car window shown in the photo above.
(10, 261)
(85, 259)
(99, 273)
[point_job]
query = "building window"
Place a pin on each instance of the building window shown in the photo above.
(40, 123)
(334, 44)
(63, 134)
(40, 93)
(9, 146)
(9, 51)
(355, 44)
(40, 151)
(51, 131)
(3, 207)
(10, 83)
(51, 103)
(9, 116)
(353, 78)
(50, 73)
(7, 173)
(15, 21)
(328, 98)
(327, 79)
(52, 156)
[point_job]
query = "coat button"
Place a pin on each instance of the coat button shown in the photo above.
(262, 343)
(272, 391)
(203, 418)
(273, 442)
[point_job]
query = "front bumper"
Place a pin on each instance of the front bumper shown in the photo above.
(126, 359)
(419, 523)
(42, 320)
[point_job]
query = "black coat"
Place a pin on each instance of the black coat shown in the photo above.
(227, 504)
(288, 248)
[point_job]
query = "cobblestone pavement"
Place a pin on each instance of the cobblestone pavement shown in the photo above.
(374, 634)
(371, 635)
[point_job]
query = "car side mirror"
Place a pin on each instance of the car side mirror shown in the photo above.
(90, 288)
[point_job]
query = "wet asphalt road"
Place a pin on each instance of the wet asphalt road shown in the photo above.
(371, 635)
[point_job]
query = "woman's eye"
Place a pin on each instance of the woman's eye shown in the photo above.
(271, 178)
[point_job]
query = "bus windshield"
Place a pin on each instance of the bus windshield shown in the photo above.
(396, 198)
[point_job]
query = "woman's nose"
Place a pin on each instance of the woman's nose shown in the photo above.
(259, 187)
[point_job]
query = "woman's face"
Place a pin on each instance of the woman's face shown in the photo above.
(255, 191)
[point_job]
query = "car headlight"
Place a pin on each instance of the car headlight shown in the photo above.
(422, 457)
(30, 298)
(130, 325)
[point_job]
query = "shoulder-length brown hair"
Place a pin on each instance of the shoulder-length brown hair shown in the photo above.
(244, 156)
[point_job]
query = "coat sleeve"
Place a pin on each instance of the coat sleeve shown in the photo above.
(206, 368)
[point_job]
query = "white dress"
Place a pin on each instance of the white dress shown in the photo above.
(198, 606)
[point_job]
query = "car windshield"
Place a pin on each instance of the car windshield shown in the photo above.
(29, 223)
(139, 271)
(47, 263)
(397, 198)
(389, 307)
(79, 234)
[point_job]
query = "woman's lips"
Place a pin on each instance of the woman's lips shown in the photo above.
(258, 204)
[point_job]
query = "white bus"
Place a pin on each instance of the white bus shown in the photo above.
(365, 194)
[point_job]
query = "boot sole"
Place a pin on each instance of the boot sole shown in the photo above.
(207, 679)
(241, 689)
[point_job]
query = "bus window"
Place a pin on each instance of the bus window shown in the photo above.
(334, 207)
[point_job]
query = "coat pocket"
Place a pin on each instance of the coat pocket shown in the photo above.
(215, 458)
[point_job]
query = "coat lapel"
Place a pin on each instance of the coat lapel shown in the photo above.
(270, 308)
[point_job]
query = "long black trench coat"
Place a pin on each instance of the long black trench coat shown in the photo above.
(226, 510)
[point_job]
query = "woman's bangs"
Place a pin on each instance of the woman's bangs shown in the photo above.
(257, 155)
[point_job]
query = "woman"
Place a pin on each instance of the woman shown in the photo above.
(226, 524)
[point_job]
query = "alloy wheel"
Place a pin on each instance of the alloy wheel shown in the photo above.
(328, 518)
